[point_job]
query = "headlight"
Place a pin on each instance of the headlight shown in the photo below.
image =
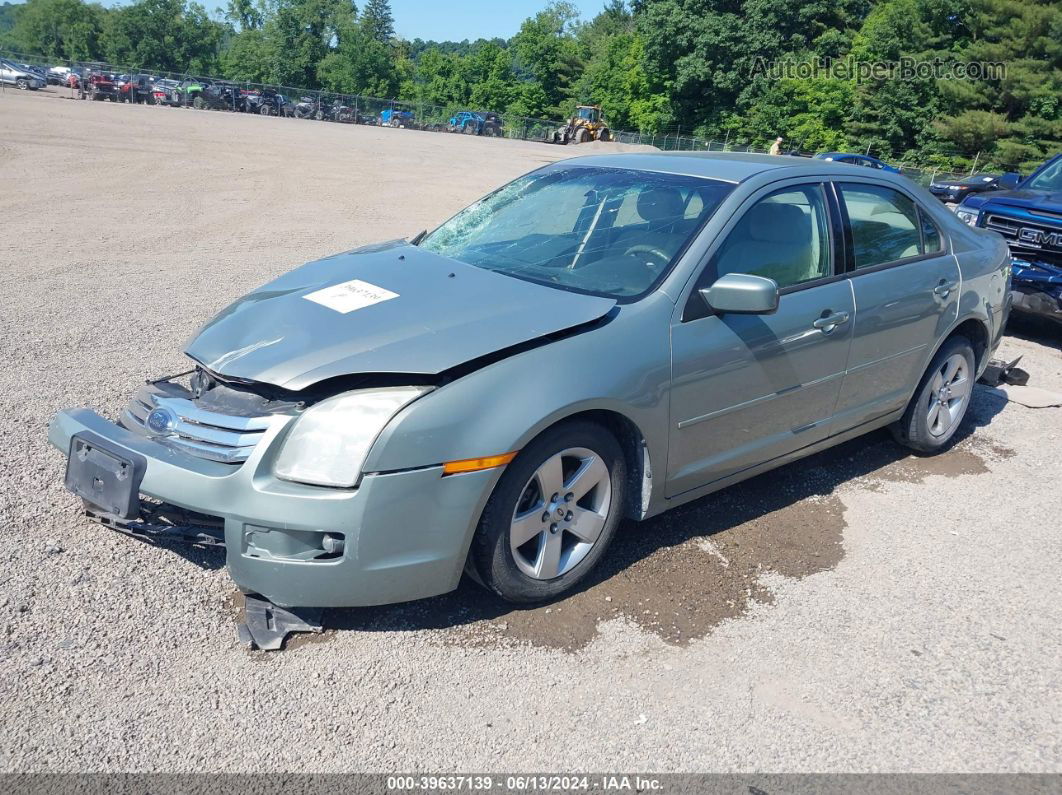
(966, 216)
(329, 442)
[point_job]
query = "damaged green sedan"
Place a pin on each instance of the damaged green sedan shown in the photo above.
(604, 338)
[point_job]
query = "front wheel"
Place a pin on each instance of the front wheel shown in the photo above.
(941, 400)
(265, 110)
(22, 84)
(552, 515)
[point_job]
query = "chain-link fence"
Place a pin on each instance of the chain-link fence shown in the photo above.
(122, 83)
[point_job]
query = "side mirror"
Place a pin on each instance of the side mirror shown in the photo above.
(1009, 181)
(743, 294)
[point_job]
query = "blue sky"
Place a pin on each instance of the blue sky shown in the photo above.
(470, 19)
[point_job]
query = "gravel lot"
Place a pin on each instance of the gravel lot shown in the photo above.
(861, 611)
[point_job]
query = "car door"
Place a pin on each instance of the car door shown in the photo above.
(906, 286)
(750, 388)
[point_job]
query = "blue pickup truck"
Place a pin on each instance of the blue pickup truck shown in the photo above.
(1030, 218)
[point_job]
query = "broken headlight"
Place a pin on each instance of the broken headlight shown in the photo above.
(329, 442)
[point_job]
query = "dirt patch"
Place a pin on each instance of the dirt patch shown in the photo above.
(682, 575)
(969, 457)
(677, 576)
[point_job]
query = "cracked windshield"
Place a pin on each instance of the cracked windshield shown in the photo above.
(605, 231)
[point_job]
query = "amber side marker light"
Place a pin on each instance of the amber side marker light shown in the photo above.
(476, 464)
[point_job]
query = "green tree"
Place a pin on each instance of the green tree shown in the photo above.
(162, 34)
(360, 64)
(547, 53)
(68, 29)
(378, 21)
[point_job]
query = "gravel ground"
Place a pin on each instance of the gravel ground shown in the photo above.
(861, 611)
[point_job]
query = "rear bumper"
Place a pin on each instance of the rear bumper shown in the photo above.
(405, 534)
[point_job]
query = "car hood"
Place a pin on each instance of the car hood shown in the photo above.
(1049, 201)
(392, 308)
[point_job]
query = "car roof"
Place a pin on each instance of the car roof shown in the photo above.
(728, 166)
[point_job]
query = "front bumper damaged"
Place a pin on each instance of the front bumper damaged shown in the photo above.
(397, 536)
(1037, 287)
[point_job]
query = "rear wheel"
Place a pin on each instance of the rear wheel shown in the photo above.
(265, 110)
(584, 136)
(552, 515)
(941, 400)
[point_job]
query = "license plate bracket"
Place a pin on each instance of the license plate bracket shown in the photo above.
(105, 475)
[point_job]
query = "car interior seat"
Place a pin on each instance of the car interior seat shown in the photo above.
(774, 240)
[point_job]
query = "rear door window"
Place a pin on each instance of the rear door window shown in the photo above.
(884, 224)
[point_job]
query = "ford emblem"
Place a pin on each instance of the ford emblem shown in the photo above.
(161, 421)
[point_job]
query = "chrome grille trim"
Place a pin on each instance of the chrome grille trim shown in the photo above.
(1008, 227)
(204, 434)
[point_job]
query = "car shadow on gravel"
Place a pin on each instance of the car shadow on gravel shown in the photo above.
(680, 574)
(1035, 329)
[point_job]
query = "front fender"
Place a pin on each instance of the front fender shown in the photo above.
(623, 367)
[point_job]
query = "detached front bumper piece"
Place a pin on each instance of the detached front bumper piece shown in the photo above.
(396, 537)
(158, 521)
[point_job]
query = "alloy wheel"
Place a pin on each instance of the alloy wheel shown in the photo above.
(949, 390)
(561, 513)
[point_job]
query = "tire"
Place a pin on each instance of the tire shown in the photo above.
(604, 135)
(198, 102)
(929, 423)
(528, 573)
(265, 110)
(584, 136)
(22, 84)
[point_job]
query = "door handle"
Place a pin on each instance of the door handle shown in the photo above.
(828, 322)
(944, 288)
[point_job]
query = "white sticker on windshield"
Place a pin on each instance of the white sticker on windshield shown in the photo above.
(348, 296)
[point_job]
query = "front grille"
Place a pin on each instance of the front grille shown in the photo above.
(1008, 227)
(190, 429)
(1026, 234)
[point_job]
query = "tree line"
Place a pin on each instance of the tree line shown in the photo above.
(694, 67)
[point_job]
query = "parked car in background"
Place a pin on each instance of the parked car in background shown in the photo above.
(857, 160)
(137, 89)
(267, 103)
(40, 72)
(162, 89)
(98, 86)
(955, 190)
(183, 93)
(1029, 217)
(604, 338)
(475, 123)
(493, 126)
(20, 77)
(58, 75)
(392, 117)
(465, 121)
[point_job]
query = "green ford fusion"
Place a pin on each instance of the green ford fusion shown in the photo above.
(600, 340)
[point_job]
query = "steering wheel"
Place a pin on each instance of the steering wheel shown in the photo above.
(645, 248)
